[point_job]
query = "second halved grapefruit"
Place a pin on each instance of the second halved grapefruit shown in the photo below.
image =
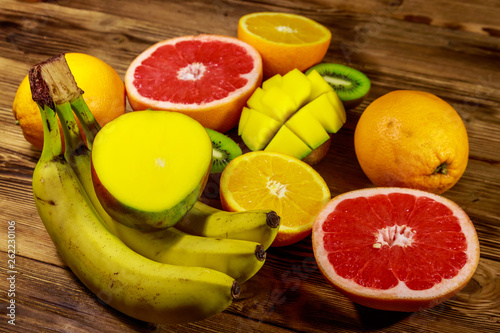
(207, 77)
(395, 249)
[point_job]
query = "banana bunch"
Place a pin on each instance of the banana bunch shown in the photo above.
(171, 276)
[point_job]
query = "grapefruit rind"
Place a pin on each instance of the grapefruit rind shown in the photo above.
(400, 297)
(220, 114)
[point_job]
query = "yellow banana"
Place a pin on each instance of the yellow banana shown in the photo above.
(137, 286)
(258, 225)
(237, 258)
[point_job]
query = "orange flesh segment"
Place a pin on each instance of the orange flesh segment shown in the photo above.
(151, 160)
(380, 240)
(272, 182)
(285, 29)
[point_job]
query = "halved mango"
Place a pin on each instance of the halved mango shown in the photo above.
(150, 167)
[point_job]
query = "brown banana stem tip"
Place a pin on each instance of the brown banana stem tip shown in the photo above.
(260, 253)
(40, 91)
(273, 219)
(235, 290)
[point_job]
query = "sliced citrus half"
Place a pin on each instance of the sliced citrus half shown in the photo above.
(285, 184)
(207, 77)
(285, 41)
(395, 249)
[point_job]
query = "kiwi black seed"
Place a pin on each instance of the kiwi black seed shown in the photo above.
(224, 150)
(351, 85)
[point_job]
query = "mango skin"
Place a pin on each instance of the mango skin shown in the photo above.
(145, 220)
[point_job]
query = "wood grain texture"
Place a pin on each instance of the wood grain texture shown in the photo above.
(449, 48)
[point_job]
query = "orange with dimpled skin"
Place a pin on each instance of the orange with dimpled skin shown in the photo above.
(412, 139)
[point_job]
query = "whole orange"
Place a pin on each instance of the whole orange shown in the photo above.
(104, 93)
(412, 139)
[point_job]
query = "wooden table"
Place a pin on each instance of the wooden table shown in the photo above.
(449, 48)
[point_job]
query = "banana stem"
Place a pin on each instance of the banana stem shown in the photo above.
(40, 92)
(52, 145)
(89, 123)
(73, 141)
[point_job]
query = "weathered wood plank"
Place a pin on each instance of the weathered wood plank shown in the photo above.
(450, 48)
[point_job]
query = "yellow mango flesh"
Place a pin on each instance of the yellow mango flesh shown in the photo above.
(278, 104)
(327, 111)
(152, 160)
(286, 142)
(319, 85)
(297, 86)
(307, 128)
(259, 129)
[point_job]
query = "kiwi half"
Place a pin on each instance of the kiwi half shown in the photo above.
(224, 150)
(351, 85)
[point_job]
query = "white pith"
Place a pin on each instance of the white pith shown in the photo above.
(276, 188)
(400, 291)
(395, 235)
(160, 162)
(286, 29)
(191, 72)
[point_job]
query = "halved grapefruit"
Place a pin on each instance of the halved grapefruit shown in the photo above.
(207, 77)
(395, 249)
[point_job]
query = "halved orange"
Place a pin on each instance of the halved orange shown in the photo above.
(285, 184)
(285, 41)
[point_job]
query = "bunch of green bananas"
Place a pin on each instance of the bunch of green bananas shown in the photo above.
(177, 275)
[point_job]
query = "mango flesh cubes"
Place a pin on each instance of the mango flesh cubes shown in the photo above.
(292, 114)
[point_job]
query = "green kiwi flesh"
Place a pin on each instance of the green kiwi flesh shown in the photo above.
(224, 150)
(351, 85)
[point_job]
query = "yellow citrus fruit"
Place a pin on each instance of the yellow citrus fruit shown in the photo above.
(285, 41)
(412, 139)
(104, 93)
(285, 184)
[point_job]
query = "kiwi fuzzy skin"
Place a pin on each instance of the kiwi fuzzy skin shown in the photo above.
(354, 103)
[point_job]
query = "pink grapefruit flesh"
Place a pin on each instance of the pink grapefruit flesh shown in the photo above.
(207, 77)
(395, 249)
